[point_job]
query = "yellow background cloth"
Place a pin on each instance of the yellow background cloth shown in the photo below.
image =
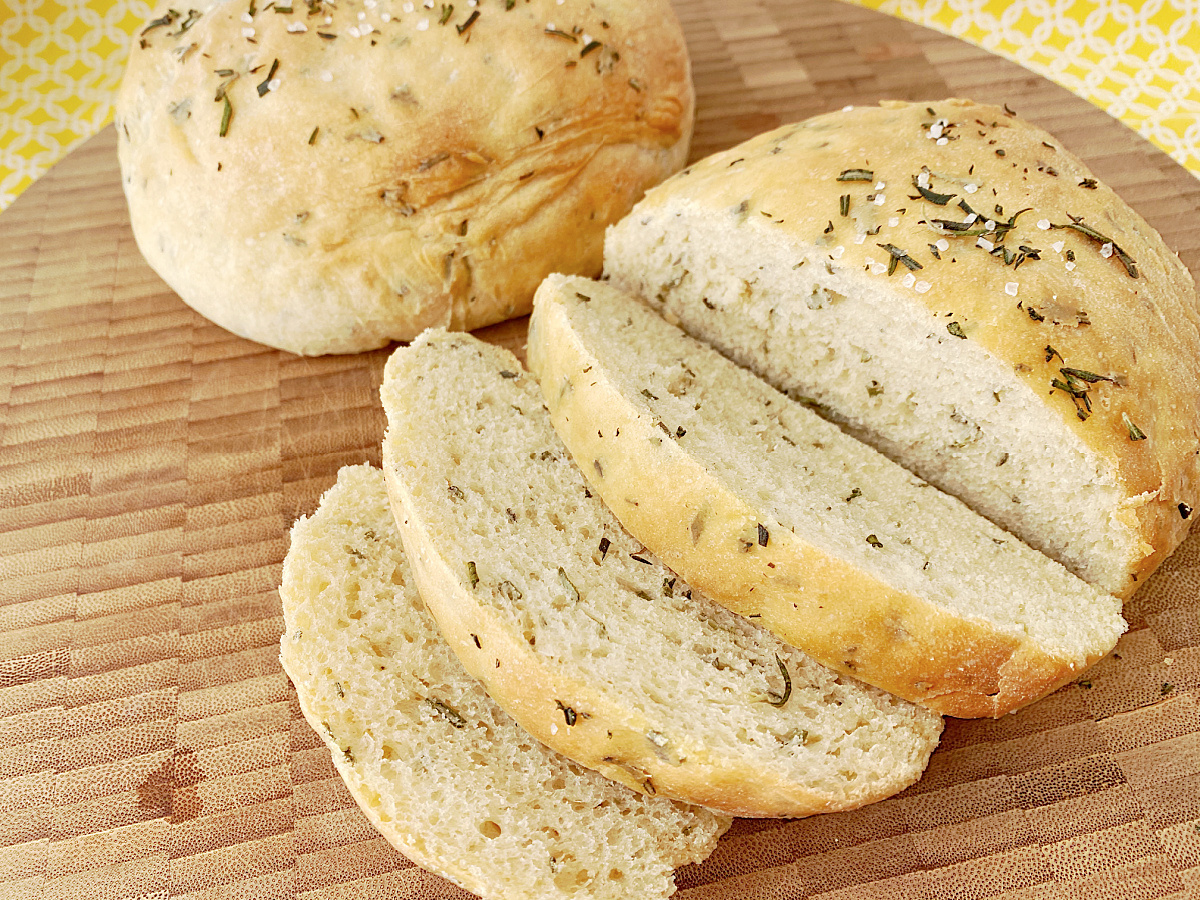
(61, 63)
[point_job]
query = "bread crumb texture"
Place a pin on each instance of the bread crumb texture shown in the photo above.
(327, 177)
(595, 646)
(444, 774)
(777, 513)
(952, 285)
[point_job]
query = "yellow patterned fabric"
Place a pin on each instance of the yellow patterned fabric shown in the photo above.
(61, 62)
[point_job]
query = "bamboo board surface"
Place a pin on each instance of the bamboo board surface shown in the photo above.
(151, 464)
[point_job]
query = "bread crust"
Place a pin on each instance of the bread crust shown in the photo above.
(371, 184)
(842, 616)
(1141, 334)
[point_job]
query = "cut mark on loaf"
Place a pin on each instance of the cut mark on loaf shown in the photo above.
(590, 642)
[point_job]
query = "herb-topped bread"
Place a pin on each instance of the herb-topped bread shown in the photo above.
(444, 774)
(373, 167)
(956, 288)
(773, 511)
(589, 642)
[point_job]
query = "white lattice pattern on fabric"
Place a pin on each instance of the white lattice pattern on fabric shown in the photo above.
(1137, 59)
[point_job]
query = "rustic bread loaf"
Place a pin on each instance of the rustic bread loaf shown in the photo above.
(771, 510)
(593, 646)
(953, 286)
(444, 774)
(372, 167)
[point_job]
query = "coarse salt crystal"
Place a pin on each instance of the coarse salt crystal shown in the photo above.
(329, 20)
(585, 39)
(942, 142)
(1106, 250)
(327, 76)
(273, 84)
(1058, 246)
(429, 4)
(942, 244)
(247, 18)
(1043, 224)
(847, 108)
(935, 130)
(353, 31)
(923, 179)
(880, 185)
(554, 728)
(880, 199)
(247, 32)
(878, 268)
(366, 28)
(970, 187)
(922, 286)
(985, 244)
(989, 225)
(362, 17)
(837, 252)
(893, 221)
(385, 18)
(909, 279)
(408, 7)
(970, 220)
(297, 28)
(1011, 288)
(1070, 267)
(423, 25)
(860, 238)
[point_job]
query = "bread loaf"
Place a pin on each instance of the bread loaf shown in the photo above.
(952, 285)
(776, 513)
(444, 774)
(372, 167)
(590, 643)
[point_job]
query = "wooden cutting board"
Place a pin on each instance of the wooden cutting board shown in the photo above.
(151, 464)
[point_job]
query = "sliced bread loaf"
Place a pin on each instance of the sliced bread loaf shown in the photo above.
(591, 644)
(776, 513)
(956, 288)
(444, 774)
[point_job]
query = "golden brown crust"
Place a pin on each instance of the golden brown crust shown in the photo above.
(840, 615)
(417, 174)
(1082, 301)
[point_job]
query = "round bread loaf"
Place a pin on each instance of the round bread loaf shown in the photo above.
(326, 178)
(954, 287)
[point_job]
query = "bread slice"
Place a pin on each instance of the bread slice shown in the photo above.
(956, 288)
(774, 512)
(591, 644)
(445, 775)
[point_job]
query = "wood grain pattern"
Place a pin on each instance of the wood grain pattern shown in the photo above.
(151, 464)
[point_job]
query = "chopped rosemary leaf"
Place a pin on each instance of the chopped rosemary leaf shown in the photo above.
(472, 573)
(568, 713)
(779, 700)
(589, 47)
(193, 17)
(605, 543)
(763, 535)
(845, 204)
(955, 329)
(312, 138)
(562, 34)
(447, 712)
(572, 591)
(1084, 375)
(265, 85)
(467, 24)
(899, 255)
(857, 175)
(1051, 353)
(226, 115)
(1135, 433)
(874, 541)
(932, 196)
(1185, 511)
(328, 37)
(447, 12)
(167, 19)
(1077, 224)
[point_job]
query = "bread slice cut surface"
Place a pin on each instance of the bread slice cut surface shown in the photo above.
(586, 639)
(955, 287)
(438, 768)
(775, 512)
